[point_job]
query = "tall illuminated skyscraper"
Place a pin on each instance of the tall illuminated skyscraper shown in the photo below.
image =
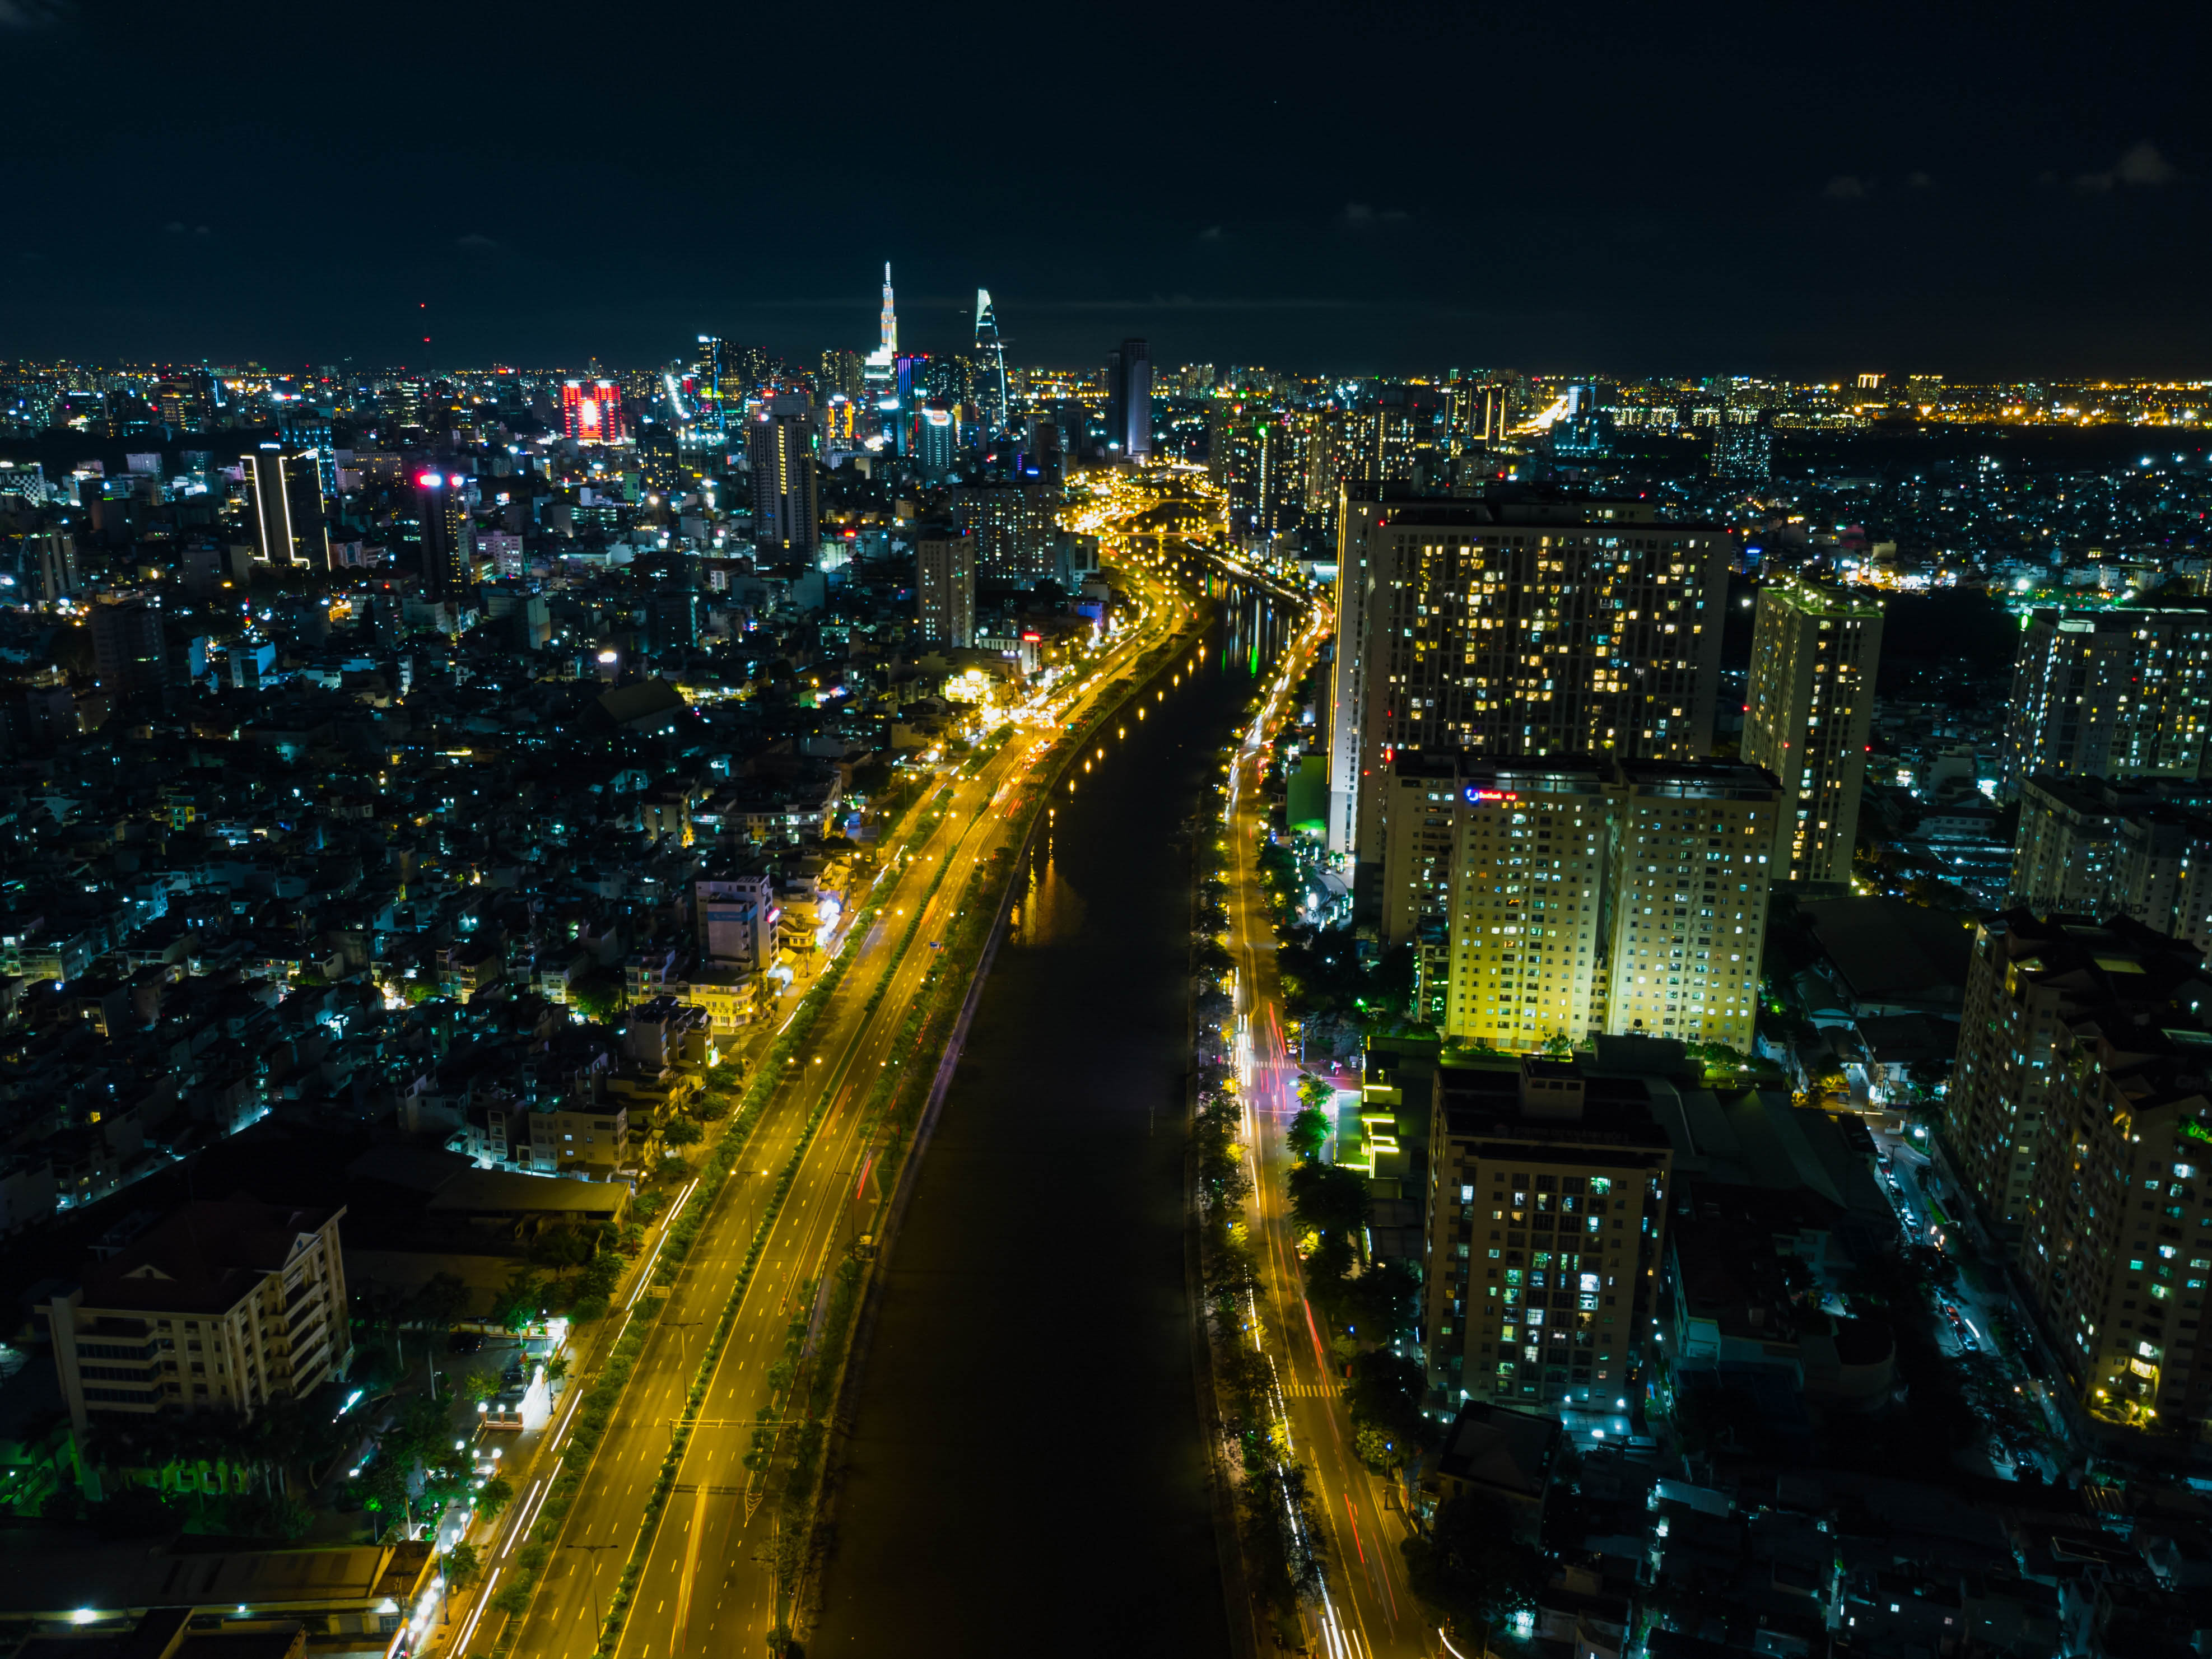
(1810, 698)
(890, 320)
(1129, 399)
(288, 525)
(442, 552)
(780, 447)
(991, 365)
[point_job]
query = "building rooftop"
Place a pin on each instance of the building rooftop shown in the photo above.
(203, 1259)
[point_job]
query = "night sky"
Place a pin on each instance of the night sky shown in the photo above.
(1979, 190)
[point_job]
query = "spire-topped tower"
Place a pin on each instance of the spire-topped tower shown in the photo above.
(990, 356)
(890, 317)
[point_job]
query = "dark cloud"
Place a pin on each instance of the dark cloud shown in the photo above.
(31, 14)
(1845, 187)
(2143, 166)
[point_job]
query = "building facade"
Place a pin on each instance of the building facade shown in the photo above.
(2118, 1251)
(2029, 976)
(221, 1307)
(944, 588)
(1809, 704)
(780, 451)
(1550, 899)
(1517, 630)
(289, 525)
(1547, 1220)
(2117, 694)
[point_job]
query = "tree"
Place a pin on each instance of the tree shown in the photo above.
(517, 1304)
(682, 1133)
(479, 1386)
(597, 994)
(496, 1495)
(1381, 1304)
(1309, 1133)
(442, 1299)
(1471, 1568)
(462, 1566)
(1385, 1394)
(562, 1249)
(1328, 1198)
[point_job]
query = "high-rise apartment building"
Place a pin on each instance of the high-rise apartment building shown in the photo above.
(2118, 1247)
(1015, 527)
(2142, 849)
(1129, 399)
(287, 493)
(1261, 460)
(1809, 701)
(1550, 898)
(1511, 629)
(2029, 975)
(591, 411)
(2119, 694)
(1743, 446)
(1546, 1222)
(1688, 901)
(218, 1308)
(780, 451)
(945, 587)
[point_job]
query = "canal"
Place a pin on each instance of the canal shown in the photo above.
(1026, 1472)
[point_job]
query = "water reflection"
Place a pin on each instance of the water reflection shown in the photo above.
(1048, 910)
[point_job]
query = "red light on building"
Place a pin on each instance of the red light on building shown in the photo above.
(591, 411)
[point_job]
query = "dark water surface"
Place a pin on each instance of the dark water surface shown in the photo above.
(1026, 1474)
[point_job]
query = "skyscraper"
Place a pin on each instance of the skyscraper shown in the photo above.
(1810, 699)
(889, 319)
(1515, 629)
(2118, 694)
(841, 373)
(591, 411)
(658, 459)
(779, 449)
(309, 430)
(936, 439)
(1129, 399)
(991, 366)
(442, 561)
(945, 587)
(709, 373)
(288, 525)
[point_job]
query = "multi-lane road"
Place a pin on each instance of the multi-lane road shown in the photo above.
(1368, 1611)
(708, 1582)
